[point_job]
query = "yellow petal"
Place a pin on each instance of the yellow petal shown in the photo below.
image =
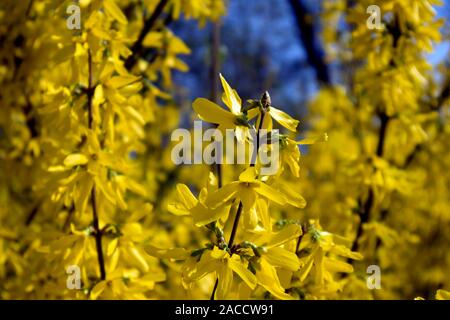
(346, 252)
(153, 39)
(270, 193)
(172, 253)
(210, 112)
(112, 246)
(186, 196)
(280, 257)
(237, 266)
(83, 194)
(153, 277)
(293, 198)
(203, 215)
(268, 278)
(114, 11)
(205, 266)
(121, 81)
(313, 139)
(306, 268)
(442, 295)
(333, 265)
(138, 258)
(75, 159)
(248, 198)
(248, 175)
(231, 99)
(241, 133)
(252, 113)
(225, 276)
(284, 119)
(98, 289)
(290, 232)
(222, 195)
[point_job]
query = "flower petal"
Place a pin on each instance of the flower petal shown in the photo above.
(222, 195)
(237, 266)
(284, 119)
(210, 112)
(230, 98)
(270, 193)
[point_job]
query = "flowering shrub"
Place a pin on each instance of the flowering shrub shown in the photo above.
(92, 205)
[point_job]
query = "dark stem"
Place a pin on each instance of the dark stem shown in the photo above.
(98, 235)
(299, 241)
(308, 36)
(445, 94)
(97, 232)
(214, 71)
(69, 217)
(214, 290)
(32, 215)
(235, 225)
(137, 47)
(239, 210)
(396, 33)
(367, 207)
(255, 156)
(231, 241)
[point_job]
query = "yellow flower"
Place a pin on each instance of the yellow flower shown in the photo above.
(279, 116)
(189, 205)
(247, 190)
(442, 295)
(224, 266)
(275, 259)
(233, 119)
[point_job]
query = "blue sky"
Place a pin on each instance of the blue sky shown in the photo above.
(261, 28)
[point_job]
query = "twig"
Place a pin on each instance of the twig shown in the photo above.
(97, 232)
(314, 53)
(214, 71)
(148, 25)
(395, 31)
(231, 241)
(368, 204)
(239, 210)
(32, 215)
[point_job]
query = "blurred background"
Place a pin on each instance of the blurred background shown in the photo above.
(269, 45)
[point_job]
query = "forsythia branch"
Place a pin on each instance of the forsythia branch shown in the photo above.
(97, 232)
(148, 25)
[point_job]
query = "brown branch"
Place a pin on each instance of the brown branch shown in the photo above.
(368, 204)
(308, 32)
(214, 76)
(396, 33)
(445, 94)
(69, 217)
(95, 223)
(265, 98)
(231, 241)
(32, 214)
(299, 240)
(138, 47)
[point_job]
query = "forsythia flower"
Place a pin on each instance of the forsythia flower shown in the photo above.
(233, 119)
(261, 253)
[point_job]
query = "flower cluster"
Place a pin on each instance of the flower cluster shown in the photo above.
(78, 123)
(257, 245)
(381, 178)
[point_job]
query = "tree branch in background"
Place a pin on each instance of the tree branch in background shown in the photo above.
(368, 204)
(95, 223)
(214, 77)
(137, 47)
(396, 33)
(315, 54)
